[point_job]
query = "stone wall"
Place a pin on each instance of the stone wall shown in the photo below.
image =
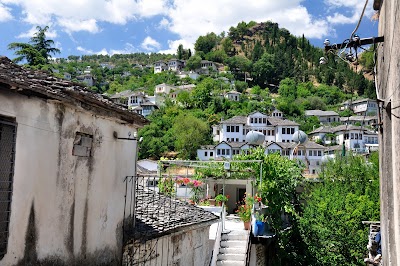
(388, 84)
(68, 190)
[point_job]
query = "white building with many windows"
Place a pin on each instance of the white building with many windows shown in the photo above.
(236, 128)
(356, 138)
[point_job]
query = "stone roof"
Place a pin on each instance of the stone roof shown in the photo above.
(347, 127)
(320, 113)
(237, 144)
(148, 103)
(290, 145)
(359, 118)
(43, 85)
(126, 93)
(281, 122)
(207, 147)
(240, 119)
(158, 215)
(321, 130)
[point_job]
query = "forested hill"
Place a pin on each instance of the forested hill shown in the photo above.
(270, 54)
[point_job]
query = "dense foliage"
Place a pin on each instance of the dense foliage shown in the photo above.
(330, 224)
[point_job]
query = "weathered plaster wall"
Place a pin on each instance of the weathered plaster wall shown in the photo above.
(185, 248)
(65, 209)
(388, 78)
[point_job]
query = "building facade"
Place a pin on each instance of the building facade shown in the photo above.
(64, 170)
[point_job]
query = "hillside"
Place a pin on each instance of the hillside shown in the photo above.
(269, 66)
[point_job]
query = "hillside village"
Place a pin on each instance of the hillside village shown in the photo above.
(167, 161)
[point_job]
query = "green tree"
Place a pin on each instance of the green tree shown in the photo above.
(38, 51)
(206, 43)
(193, 62)
(190, 132)
(331, 221)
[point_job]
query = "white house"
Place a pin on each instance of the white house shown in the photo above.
(159, 67)
(233, 95)
(276, 114)
(323, 116)
(310, 153)
(88, 79)
(236, 128)
(176, 65)
(145, 108)
(205, 67)
(355, 138)
(361, 120)
(62, 168)
(361, 106)
(164, 88)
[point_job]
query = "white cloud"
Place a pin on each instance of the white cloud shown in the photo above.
(150, 44)
(191, 18)
(173, 46)
(71, 25)
(5, 13)
(49, 34)
(164, 23)
(129, 48)
(350, 11)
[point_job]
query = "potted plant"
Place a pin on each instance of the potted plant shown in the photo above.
(244, 212)
(220, 199)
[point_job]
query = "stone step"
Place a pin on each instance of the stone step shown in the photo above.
(232, 257)
(235, 250)
(234, 237)
(233, 243)
(230, 263)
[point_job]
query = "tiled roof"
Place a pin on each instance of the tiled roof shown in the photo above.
(359, 118)
(158, 215)
(281, 122)
(42, 84)
(291, 145)
(207, 147)
(346, 128)
(237, 144)
(321, 130)
(320, 113)
(235, 120)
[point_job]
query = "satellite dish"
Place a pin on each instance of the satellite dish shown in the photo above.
(299, 137)
(326, 158)
(255, 138)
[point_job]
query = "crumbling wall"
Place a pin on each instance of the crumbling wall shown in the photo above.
(67, 205)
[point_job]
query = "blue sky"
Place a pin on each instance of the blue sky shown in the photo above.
(81, 27)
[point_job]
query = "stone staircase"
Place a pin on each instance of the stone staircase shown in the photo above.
(233, 248)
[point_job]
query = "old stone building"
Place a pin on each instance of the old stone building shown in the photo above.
(62, 170)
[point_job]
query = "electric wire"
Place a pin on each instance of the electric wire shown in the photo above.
(359, 21)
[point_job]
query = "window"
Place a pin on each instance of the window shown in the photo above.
(352, 135)
(315, 153)
(228, 128)
(273, 132)
(309, 153)
(205, 153)
(228, 152)
(152, 183)
(237, 139)
(223, 151)
(264, 120)
(218, 151)
(283, 130)
(211, 154)
(237, 128)
(319, 153)
(292, 130)
(251, 120)
(8, 132)
(260, 120)
(82, 145)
